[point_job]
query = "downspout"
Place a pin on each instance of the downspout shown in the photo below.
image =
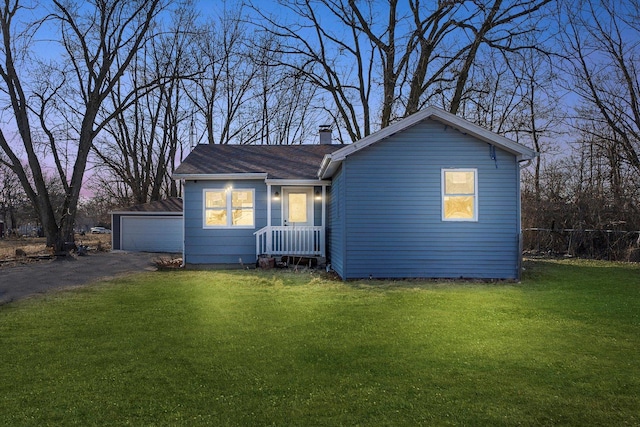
(324, 221)
(268, 205)
(269, 220)
(183, 264)
(343, 196)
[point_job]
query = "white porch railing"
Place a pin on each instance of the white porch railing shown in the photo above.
(291, 240)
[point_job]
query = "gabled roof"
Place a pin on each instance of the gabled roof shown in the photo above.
(172, 204)
(332, 161)
(214, 161)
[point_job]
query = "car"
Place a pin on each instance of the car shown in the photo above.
(100, 230)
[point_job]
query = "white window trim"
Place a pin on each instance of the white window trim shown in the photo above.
(229, 225)
(475, 194)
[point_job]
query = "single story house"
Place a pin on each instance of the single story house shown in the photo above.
(148, 227)
(431, 196)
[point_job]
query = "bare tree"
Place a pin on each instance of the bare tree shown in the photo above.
(279, 110)
(542, 118)
(99, 40)
(12, 197)
(140, 145)
(96, 211)
(601, 43)
(223, 88)
(413, 51)
(327, 59)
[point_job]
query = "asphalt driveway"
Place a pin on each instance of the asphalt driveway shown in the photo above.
(20, 281)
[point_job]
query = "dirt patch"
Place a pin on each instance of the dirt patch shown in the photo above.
(22, 250)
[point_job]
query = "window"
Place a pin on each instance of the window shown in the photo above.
(297, 207)
(228, 208)
(459, 195)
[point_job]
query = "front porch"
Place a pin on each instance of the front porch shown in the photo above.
(296, 219)
(295, 240)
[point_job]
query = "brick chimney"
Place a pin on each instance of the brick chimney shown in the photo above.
(325, 134)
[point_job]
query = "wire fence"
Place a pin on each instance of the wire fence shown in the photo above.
(614, 245)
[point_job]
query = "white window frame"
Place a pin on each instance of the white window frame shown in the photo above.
(228, 193)
(475, 194)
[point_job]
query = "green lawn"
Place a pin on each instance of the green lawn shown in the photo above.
(273, 348)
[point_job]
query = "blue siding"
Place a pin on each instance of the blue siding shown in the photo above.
(220, 246)
(336, 223)
(317, 207)
(276, 206)
(392, 209)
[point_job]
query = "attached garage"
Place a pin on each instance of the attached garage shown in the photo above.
(149, 227)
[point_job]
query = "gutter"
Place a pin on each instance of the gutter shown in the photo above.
(527, 162)
(326, 160)
(220, 176)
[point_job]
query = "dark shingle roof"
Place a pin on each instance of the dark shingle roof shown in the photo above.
(172, 204)
(277, 161)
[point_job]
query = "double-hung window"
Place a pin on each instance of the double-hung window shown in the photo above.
(229, 208)
(459, 194)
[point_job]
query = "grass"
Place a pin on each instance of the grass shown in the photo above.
(265, 348)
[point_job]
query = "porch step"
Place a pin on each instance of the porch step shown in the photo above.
(304, 261)
(287, 261)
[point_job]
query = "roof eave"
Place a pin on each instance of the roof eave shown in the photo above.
(301, 181)
(331, 162)
(147, 213)
(466, 127)
(330, 168)
(218, 176)
(326, 161)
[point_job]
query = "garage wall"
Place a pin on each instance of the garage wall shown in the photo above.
(148, 233)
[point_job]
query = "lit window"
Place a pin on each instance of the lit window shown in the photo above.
(459, 195)
(242, 207)
(297, 207)
(229, 208)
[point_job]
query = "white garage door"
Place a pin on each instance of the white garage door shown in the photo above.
(151, 234)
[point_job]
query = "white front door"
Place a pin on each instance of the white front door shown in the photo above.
(297, 206)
